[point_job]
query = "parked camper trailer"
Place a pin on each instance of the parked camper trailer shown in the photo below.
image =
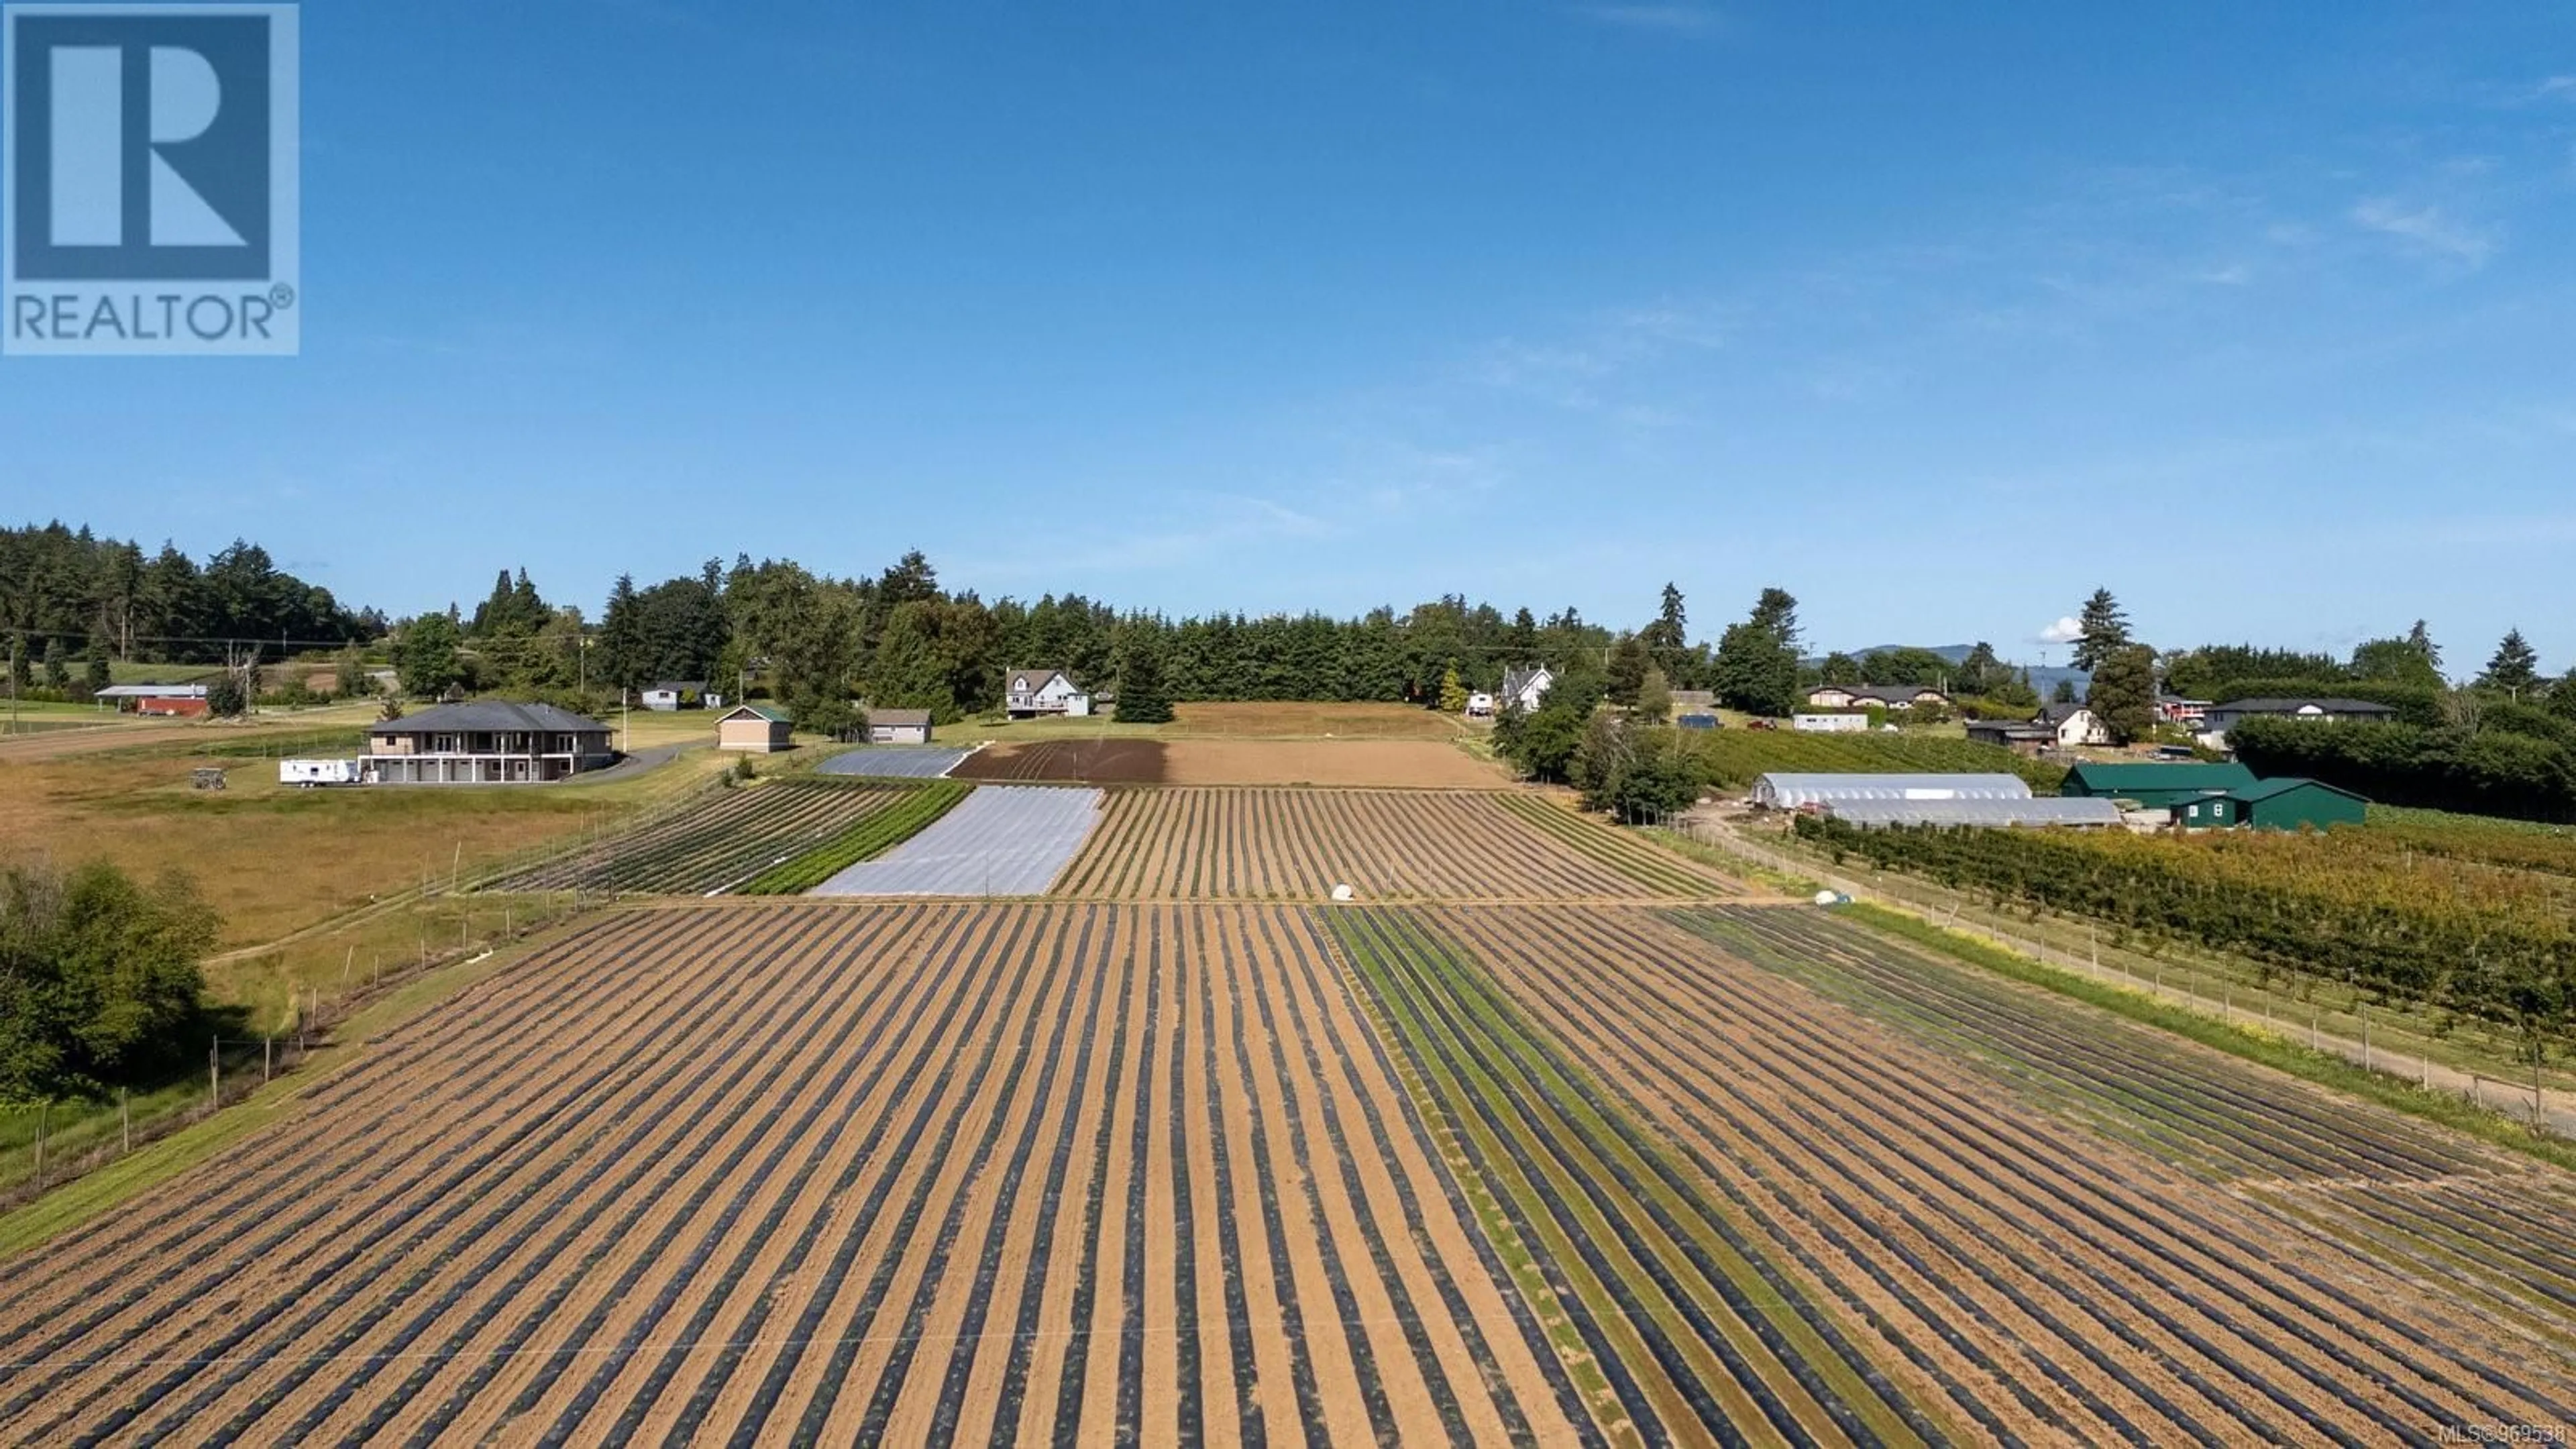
(309, 773)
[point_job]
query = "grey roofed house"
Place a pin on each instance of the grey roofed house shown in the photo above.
(485, 716)
(1527, 686)
(1038, 689)
(485, 742)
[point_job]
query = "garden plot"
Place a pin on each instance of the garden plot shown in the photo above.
(1004, 840)
(895, 762)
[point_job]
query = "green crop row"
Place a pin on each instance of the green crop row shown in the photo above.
(865, 840)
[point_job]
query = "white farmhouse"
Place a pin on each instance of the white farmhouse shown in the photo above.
(1030, 692)
(1526, 689)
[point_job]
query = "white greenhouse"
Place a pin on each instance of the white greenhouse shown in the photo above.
(1791, 791)
(2081, 813)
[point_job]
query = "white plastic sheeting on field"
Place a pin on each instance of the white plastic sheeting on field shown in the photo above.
(899, 762)
(2079, 812)
(1782, 791)
(1003, 840)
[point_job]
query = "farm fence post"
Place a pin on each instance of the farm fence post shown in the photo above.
(2428, 1068)
(350, 960)
(44, 1110)
(124, 1122)
(2535, 1086)
(2365, 1035)
(267, 1047)
(2312, 1026)
(2477, 1089)
(214, 1071)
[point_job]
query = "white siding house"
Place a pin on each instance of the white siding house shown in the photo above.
(1027, 692)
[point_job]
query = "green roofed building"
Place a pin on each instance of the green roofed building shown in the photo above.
(2291, 804)
(2155, 785)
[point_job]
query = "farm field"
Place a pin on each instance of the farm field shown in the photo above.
(2301, 1149)
(900, 1174)
(1298, 719)
(1238, 844)
(714, 845)
(1003, 840)
(906, 762)
(1552, 1138)
(1990, 1260)
(1422, 764)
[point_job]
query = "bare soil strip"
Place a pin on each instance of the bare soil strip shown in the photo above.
(900, 1173)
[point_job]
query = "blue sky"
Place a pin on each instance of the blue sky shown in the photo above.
(1937, 316)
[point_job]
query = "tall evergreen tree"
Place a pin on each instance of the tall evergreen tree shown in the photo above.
(2103, 629)
(1141, 698)
(2515, 667)
(1629, 662)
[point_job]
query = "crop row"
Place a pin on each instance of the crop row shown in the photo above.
(2499, 946)
(2490, 1223)
(1296, 845)
(1708, 1335)
(889, 1174)
(2093, 1293)
(865, 838)
(720, 843)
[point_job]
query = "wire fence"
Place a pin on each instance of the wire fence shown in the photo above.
(2388, 1042)
(45, 1144)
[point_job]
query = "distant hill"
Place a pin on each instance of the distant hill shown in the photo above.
(2042, 678)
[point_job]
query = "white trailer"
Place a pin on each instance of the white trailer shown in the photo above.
(309, 773)
(1830, 724)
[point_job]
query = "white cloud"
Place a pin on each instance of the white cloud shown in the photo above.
(2557, 87)
(2065, 631)
(2426, 230)
(1662, 19)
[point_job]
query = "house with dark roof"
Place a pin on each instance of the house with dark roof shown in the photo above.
(2072, 725)
(1027, 693)
(488, 742)
(2220, 718)
(1525, 688)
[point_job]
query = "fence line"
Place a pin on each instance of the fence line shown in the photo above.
(73, 1138)
(2549, 1109)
